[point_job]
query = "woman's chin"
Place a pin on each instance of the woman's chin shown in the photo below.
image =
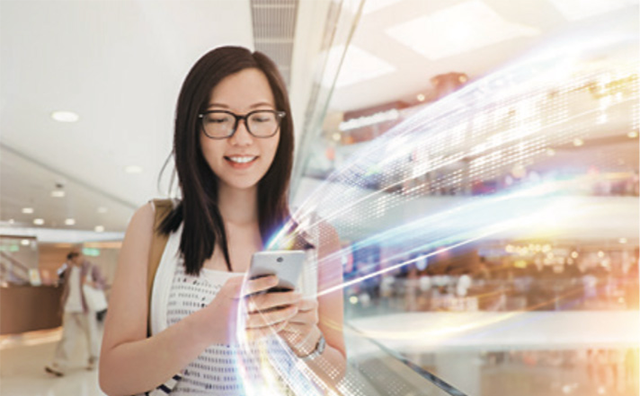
(247, 184)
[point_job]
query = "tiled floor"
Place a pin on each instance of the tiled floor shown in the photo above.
(523, 372)
(22, 361)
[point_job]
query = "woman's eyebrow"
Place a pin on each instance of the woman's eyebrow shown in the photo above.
(253, 106)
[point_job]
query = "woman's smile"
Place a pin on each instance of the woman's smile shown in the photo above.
(241, 161)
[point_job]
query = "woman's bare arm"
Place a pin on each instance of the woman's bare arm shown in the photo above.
(130, 363)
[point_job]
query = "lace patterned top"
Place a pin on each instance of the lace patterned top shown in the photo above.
(220, 369)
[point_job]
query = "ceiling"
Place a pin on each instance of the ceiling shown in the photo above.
(119, 66)
(399, 45)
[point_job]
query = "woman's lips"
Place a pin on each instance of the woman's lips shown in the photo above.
(240, 162)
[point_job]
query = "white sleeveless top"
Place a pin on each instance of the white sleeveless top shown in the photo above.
(221, 369)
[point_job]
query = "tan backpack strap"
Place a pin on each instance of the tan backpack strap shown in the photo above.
(158, 242)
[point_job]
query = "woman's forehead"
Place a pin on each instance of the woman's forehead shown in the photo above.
(245, 90)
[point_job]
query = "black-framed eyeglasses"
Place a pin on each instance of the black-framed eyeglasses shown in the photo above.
(222, 124)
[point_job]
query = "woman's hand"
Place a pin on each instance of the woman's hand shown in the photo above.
(265, 312)
(268, 312)
(301, 331)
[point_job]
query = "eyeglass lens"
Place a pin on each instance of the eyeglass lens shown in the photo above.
(259, 123)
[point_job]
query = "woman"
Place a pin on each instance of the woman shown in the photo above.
(233, 148)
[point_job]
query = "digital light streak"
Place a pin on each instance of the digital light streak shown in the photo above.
(451, 225)
(279, 367)
(389, 192)
(325, 194)
(461, 239)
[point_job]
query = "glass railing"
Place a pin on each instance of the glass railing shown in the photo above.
(375, 370)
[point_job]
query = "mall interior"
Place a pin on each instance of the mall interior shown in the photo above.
(477, 158)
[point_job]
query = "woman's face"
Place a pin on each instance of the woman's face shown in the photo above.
(241, 160)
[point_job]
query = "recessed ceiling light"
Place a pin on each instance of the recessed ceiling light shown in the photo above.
(459, 28)
(551, 152)
(38, 221)
(57, 193)
(99, 228)
(27, 210)
(578, 142)
(70, 222)
(622, 240)
(25, 242)
(358, 66)
(133, 169)
(420, 98)
(632, 134)
(65, 116)
(375, 5)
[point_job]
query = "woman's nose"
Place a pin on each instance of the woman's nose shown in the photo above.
(241, 137)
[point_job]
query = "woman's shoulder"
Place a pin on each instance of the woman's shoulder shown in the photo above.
(143, 218)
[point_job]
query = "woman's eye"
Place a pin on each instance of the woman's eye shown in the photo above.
(217, 120)
(261, 119)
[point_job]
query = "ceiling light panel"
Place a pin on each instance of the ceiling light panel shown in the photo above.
(358, 66)
(65, 116)
(574, 10)
(133, 169)
(457, 29)
(376, 5)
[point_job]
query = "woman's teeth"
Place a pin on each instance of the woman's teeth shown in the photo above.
(241, 160)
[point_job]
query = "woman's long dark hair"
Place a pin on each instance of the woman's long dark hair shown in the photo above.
(203, 227)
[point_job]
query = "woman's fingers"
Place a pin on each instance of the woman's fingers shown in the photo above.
(260, 284)
(260, 332)
(270, 300)
(270, 318)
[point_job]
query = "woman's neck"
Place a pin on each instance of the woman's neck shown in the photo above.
(239, 207)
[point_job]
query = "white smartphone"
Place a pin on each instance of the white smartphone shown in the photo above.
(285, 264)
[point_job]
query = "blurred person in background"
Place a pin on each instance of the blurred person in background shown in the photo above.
(77, 317)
